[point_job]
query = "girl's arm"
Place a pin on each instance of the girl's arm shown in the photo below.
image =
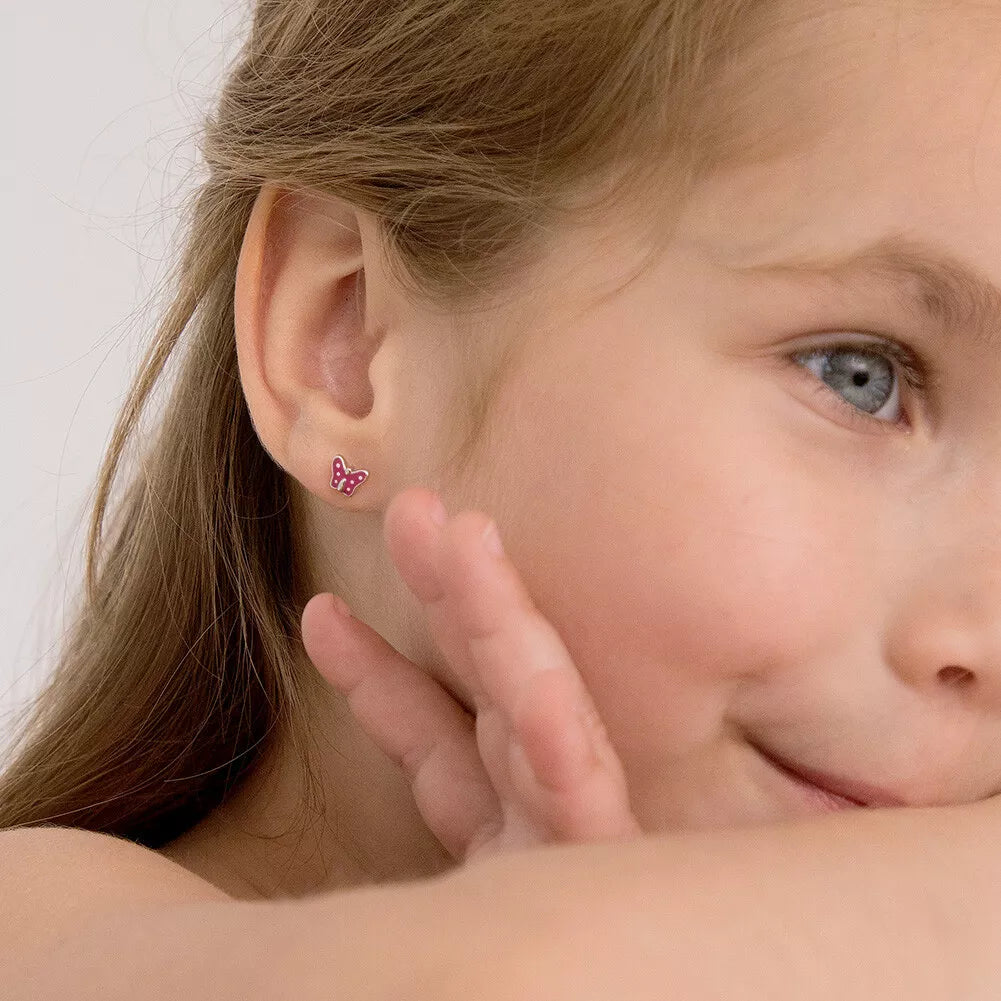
(901, 905)
(97, 918)
(897, 905)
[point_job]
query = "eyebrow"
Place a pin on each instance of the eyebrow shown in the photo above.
(925, 279)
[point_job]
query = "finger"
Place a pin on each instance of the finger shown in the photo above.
(488, 627)
(412, 537)
(579, 788)
(411, 718)
(479, 612)
(448, 570)
(420, 549)
(414, 543)
(567, 772)
(506, 638)
(561, 771)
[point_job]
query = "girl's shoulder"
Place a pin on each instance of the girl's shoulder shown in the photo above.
(53, 878)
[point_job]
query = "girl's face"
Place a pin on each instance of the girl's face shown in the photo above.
(754, 534)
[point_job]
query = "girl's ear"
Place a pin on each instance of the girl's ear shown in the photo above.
(318, 365)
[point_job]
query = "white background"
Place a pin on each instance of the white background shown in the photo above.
(102, 103)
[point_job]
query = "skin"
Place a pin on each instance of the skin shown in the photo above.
(728, 558)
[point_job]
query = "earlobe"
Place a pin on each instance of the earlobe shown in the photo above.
(310, 353)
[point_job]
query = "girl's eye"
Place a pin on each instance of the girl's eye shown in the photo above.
(863, 380)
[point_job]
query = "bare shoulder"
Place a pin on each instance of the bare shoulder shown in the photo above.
(53, 877)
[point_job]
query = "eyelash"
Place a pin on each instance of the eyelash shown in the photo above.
(906, 361)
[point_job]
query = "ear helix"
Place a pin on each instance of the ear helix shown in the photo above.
(344, 478)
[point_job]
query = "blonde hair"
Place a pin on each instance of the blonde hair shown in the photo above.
(467, 127)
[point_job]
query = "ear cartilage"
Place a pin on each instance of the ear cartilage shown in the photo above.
(344, 478)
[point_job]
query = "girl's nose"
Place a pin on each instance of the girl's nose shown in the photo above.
(945, 635)
(945, 630)
(949, 653)
(952, 659)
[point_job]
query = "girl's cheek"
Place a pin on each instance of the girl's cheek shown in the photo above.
(675, 538)
(739, 584)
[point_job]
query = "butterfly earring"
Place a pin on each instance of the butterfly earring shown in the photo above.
(345, 479)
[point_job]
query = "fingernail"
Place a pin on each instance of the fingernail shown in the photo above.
(492, 541)
(438, 513)
(341, 607)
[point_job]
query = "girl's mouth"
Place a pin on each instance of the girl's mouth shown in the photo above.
(831, 792)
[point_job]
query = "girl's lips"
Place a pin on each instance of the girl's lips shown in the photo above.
(837, 792)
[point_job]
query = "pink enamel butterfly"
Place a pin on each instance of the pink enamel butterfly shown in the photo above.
(345, 479)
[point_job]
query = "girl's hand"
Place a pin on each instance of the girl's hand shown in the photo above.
(534, 764)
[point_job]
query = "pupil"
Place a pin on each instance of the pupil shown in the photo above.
(860, 378)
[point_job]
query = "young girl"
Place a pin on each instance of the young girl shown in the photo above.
(697, 303)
